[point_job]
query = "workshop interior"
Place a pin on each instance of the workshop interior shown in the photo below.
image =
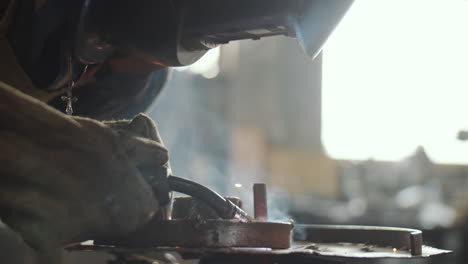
(299, 131)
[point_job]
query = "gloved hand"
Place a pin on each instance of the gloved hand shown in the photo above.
(69, 179)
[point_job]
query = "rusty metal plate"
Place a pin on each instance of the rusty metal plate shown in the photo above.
(362, 251)
(362, 241)
(298, 253)
(209, 234)
(341, 244)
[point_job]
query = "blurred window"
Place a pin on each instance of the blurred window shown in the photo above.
(395, 76)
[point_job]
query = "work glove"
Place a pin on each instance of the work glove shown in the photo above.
(68, 179)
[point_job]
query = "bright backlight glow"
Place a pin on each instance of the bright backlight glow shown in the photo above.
(395, 76)
(207, 66)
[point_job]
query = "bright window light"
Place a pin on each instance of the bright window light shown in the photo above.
(395, 77)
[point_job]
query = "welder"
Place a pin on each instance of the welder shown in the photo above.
(67, 177)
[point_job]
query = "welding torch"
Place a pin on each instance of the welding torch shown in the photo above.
(222, 206)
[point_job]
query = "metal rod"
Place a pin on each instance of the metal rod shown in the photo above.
(260, 202)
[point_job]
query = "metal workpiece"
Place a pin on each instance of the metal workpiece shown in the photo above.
(209, 234)
(198, 231)
(260, 202)
(299, 252)
(364, 241)
(235, 237)
(218, 241)
(193, 208)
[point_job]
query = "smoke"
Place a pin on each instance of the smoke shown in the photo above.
(193, 129)
(193, 121)
(223, 132)
(278, 205)
(278, 200)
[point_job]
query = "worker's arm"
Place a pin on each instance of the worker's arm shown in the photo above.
(65, 179)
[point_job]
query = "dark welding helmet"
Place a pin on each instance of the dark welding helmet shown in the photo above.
(179, 32)
(163, 33)
(122, 48)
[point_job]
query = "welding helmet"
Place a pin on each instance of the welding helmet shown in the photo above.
(179, 32)
(126, 46)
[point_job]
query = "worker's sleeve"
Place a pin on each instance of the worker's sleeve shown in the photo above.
(67, 179)
(13, 249)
